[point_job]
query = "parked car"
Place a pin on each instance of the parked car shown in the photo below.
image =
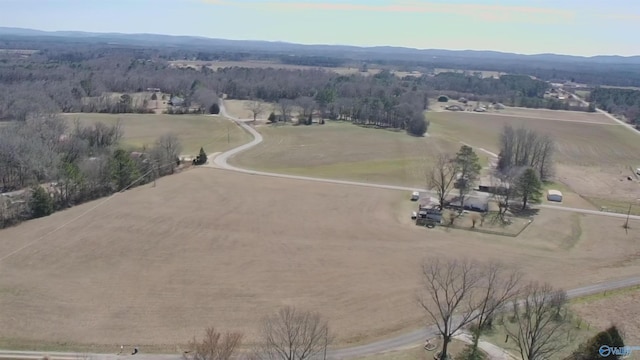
(414, 215)
(415, 196)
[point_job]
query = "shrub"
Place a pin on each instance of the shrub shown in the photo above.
(41, 203)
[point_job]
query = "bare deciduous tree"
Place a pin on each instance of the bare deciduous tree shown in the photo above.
(214, 346)
(285, 106)
(469, 167)
(498, 286)
(169, 147)
(449, 298)
(442, 176)
(293, 335)
(539, 330)
(524, 147)
(505, 189)
(307, 104)
(256, 107)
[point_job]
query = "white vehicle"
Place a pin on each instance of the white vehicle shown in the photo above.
(414, 215)
(638, 171)
(415, 196)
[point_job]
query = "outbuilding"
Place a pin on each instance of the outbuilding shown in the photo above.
(554, 195)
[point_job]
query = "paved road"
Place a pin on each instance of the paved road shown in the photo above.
(408, 339)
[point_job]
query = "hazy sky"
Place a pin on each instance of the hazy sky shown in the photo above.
(578, 27)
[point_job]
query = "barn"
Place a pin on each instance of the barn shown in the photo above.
(554, 195)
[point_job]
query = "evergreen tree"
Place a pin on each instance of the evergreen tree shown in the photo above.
(529, 187)
(469, 166)
(417, 126)
(123, 169)
(41, 203)
(272, 117)
(590, 350)
(202, 157)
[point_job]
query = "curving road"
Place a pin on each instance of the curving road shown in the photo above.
(221, 161)
(406, 340)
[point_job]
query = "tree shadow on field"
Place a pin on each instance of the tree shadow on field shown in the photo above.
(517, 211)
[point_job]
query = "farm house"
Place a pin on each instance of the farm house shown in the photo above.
(554, 195)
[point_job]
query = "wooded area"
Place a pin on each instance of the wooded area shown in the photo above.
(51, 167)
(84, 81)
(618, 101)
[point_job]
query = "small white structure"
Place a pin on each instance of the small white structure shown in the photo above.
(415, 196)
(554, 195)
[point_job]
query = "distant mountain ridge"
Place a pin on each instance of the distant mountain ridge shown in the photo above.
(205, 43)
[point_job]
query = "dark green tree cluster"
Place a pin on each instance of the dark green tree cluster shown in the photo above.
(201, 159)
(590, 350)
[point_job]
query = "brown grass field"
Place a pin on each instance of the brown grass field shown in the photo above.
(155, 266)
(346, 151)
(594, 156)
(194, 131)
(618, 308)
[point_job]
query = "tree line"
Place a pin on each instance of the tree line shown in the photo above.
(52, 166)
(455, 296)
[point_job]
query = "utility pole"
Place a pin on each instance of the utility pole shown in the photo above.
(228, 138)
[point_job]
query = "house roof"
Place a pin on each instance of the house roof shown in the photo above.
(554, 192)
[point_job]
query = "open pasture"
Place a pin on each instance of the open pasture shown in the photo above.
(618, 308)
(578, 143)
(156, 265)
(341, 150)
(238, 109)
(194, 131)
(593, 159)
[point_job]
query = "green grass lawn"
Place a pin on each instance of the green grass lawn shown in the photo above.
(345, 151)
(213, 133)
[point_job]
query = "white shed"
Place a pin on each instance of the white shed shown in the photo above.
(554, 195)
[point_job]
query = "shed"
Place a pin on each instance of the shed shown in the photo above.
(554, 195)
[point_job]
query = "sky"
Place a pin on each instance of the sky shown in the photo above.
(573, 27)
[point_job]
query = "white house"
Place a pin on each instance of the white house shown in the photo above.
(554, 195)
